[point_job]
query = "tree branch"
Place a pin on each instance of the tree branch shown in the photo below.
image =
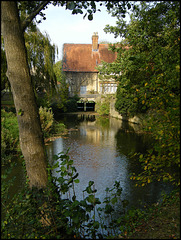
(28, 20)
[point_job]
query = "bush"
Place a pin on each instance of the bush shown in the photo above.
(58, 128)
(57, 109)
(10, 132)
(9, 136)
(103, 106)
(48, 124)
(71, 104)
(9, 108)
(46, 120)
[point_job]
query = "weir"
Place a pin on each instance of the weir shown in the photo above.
(86, 105)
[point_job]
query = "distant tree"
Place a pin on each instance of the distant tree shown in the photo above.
(57, 67)
(62, 86)
(41, 58)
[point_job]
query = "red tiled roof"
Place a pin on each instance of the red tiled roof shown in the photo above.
(81, 58)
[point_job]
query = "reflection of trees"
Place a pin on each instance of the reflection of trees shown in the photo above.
(103, 122)
(84, 117)
(129, 142)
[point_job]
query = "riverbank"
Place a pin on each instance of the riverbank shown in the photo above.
(163, 222)
(160, 221)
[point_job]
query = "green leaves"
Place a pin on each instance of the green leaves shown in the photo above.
(89, 188)
(90, 198)
(20, 112)
(76, 218)
(41, 56)
(90, 17)
(114, 200)
(77, 8)
(76, 181)
(70, 5)
(148, 59)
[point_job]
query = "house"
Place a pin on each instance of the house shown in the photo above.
(79, 65)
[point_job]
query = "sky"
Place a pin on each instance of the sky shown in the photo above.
(63, 27)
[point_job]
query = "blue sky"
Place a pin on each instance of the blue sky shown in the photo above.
(63, 27)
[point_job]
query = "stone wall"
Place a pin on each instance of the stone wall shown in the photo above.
(78, 79)
(115, 114)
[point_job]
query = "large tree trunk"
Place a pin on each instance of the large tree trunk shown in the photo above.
(30, 134)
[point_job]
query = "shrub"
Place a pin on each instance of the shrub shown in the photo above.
(58, 127)
(48, 124)
(71, 104)
(46, 120)
(9, 136)
(10, 131)
(103, 106)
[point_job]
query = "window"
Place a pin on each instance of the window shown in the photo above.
(115, 88)
(108, 88)
(101, 90)
(112, 89)
(83, 89)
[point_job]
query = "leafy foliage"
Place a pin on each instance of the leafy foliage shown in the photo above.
(150, 72)
(10, 132)
(149, 63)
(56, 212)
(152, 222)
(103, 106)
(9, 136)
(71, 104)
(46, 120)
(48, 123)
(62, 87)
(41, 58)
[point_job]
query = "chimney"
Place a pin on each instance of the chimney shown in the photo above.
(95, 41)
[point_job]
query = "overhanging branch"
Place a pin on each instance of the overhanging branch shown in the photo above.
(28, 20)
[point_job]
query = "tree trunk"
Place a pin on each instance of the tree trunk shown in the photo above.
(30, 133)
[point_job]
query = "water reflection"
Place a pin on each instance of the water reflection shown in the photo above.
(100, 148)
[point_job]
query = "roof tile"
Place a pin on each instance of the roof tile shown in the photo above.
(81, 57)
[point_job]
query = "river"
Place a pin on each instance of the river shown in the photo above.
(100, 148)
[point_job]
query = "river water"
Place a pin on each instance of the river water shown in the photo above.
(100, 149)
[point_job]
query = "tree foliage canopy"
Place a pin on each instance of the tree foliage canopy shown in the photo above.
(149, 62)
(41, 58)
(30, 9)
(62, 85)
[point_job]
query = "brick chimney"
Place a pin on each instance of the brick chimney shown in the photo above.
(95, 41)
